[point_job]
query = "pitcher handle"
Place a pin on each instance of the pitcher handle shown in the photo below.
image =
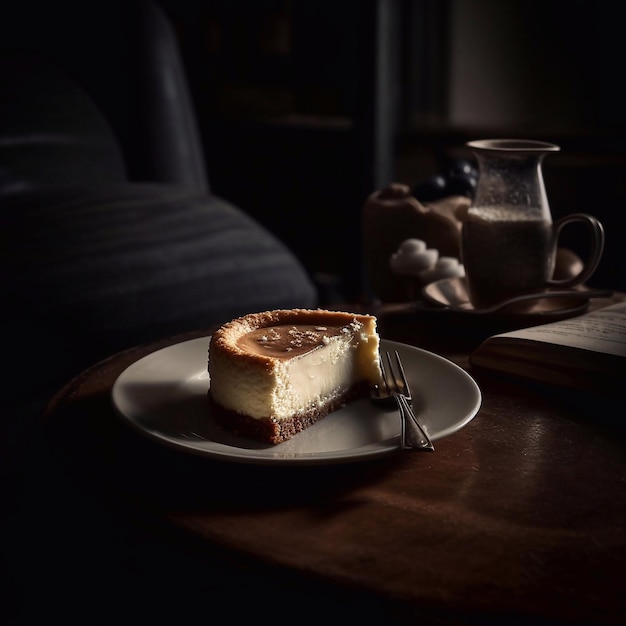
(595, 253)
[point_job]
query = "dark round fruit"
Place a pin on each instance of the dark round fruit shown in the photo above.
(462, 167)
(461, 185)
(432, 189)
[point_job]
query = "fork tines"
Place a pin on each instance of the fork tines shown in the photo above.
(397, 385)
(400, 382)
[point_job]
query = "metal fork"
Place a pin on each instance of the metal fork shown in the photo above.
(396, 387)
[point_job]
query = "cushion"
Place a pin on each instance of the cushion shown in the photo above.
(89, 271)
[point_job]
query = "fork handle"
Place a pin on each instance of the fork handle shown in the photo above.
(412, 436)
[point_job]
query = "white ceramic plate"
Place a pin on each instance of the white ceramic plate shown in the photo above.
(164, 396)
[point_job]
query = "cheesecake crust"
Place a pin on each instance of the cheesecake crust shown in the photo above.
(272, 431)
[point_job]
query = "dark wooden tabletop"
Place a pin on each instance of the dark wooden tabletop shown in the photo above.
(520, 517)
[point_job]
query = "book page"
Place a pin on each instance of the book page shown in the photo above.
(603, 330)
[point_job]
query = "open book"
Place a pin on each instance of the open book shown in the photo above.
(587, 352)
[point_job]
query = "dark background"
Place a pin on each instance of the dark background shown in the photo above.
(307, 106)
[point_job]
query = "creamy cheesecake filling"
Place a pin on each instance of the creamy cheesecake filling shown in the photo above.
(303, 383)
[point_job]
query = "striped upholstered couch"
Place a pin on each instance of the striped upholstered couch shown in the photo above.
(110, 235)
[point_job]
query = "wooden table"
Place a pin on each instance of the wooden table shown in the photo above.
(520, 517)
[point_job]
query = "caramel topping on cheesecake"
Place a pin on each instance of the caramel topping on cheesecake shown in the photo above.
(287, 341)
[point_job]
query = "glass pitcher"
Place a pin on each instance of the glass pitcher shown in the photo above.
(508, 238)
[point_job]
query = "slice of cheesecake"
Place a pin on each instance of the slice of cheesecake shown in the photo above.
(273, 374)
